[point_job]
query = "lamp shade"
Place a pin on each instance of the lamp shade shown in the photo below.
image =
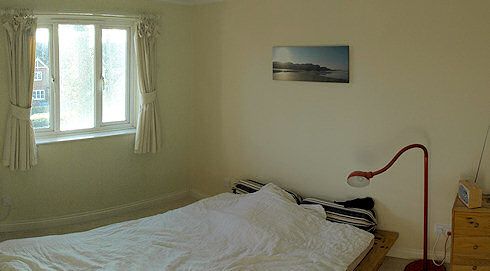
(358, 181)
(359, 178)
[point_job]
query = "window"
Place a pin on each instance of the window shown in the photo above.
(38, 94)
(38, 76)
(89, 62)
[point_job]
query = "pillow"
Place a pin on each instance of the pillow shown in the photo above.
(250, 186)
(360, 218)
(246, 186)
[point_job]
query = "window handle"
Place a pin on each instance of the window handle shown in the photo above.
(53, 84)
(102, 83)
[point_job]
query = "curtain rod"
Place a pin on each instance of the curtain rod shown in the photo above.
(129, 16)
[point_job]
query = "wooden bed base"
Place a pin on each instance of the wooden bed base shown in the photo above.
(383, 241)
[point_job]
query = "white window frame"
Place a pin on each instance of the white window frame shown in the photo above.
(53, 133)
(38, 78)
(38, 94)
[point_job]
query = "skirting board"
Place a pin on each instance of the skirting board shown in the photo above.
(92, 215)
(410, 253)
(198, 194)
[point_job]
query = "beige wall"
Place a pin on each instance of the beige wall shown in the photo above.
(87, 175)
(419, 74)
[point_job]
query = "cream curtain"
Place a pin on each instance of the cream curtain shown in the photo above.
(148, 127)
(19, 151)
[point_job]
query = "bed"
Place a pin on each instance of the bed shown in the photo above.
(266, 230)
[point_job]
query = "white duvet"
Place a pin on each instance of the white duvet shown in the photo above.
(265, 230)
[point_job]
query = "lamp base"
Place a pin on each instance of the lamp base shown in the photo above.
(418, 265)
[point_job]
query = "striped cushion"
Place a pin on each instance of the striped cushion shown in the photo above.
(360, 218)
(250, 186)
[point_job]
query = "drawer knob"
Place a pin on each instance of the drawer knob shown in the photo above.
(474, 268)
(475, 247)
(476, 224)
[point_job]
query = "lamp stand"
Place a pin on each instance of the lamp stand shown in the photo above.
(418, 265)
(361, 178)
(424, 264)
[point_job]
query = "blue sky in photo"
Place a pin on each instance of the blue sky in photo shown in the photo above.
(332, 57)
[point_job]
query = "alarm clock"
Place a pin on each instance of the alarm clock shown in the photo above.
(470, 194)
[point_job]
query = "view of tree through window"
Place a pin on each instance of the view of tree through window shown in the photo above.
(114, 72)
(76, 56)
(40, 105)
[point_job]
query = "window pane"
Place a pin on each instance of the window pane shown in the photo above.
(40, 102)
(76, 58)
(114, 70)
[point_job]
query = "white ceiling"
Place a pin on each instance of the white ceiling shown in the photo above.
(191, 2)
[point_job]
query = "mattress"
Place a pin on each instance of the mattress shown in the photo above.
(359, 258)
(265, 230)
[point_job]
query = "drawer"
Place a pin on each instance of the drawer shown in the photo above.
(472, 246)
(471, 224)
(466, 260)
(470, 268)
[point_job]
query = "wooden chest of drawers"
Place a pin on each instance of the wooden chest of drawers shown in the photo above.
(470, 243)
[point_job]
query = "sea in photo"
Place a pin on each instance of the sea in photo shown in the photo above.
(311, 63)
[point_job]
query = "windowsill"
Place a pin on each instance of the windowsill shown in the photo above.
(41, 141)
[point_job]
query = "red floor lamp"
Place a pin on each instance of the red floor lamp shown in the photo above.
(361, 179)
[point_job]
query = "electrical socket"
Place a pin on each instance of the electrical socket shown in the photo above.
(443, 229)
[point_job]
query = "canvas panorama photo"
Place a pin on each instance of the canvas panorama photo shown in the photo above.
(311, 63)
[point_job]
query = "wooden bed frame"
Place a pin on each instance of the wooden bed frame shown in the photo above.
(383, 241)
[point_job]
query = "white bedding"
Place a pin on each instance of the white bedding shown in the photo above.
(265, 230)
